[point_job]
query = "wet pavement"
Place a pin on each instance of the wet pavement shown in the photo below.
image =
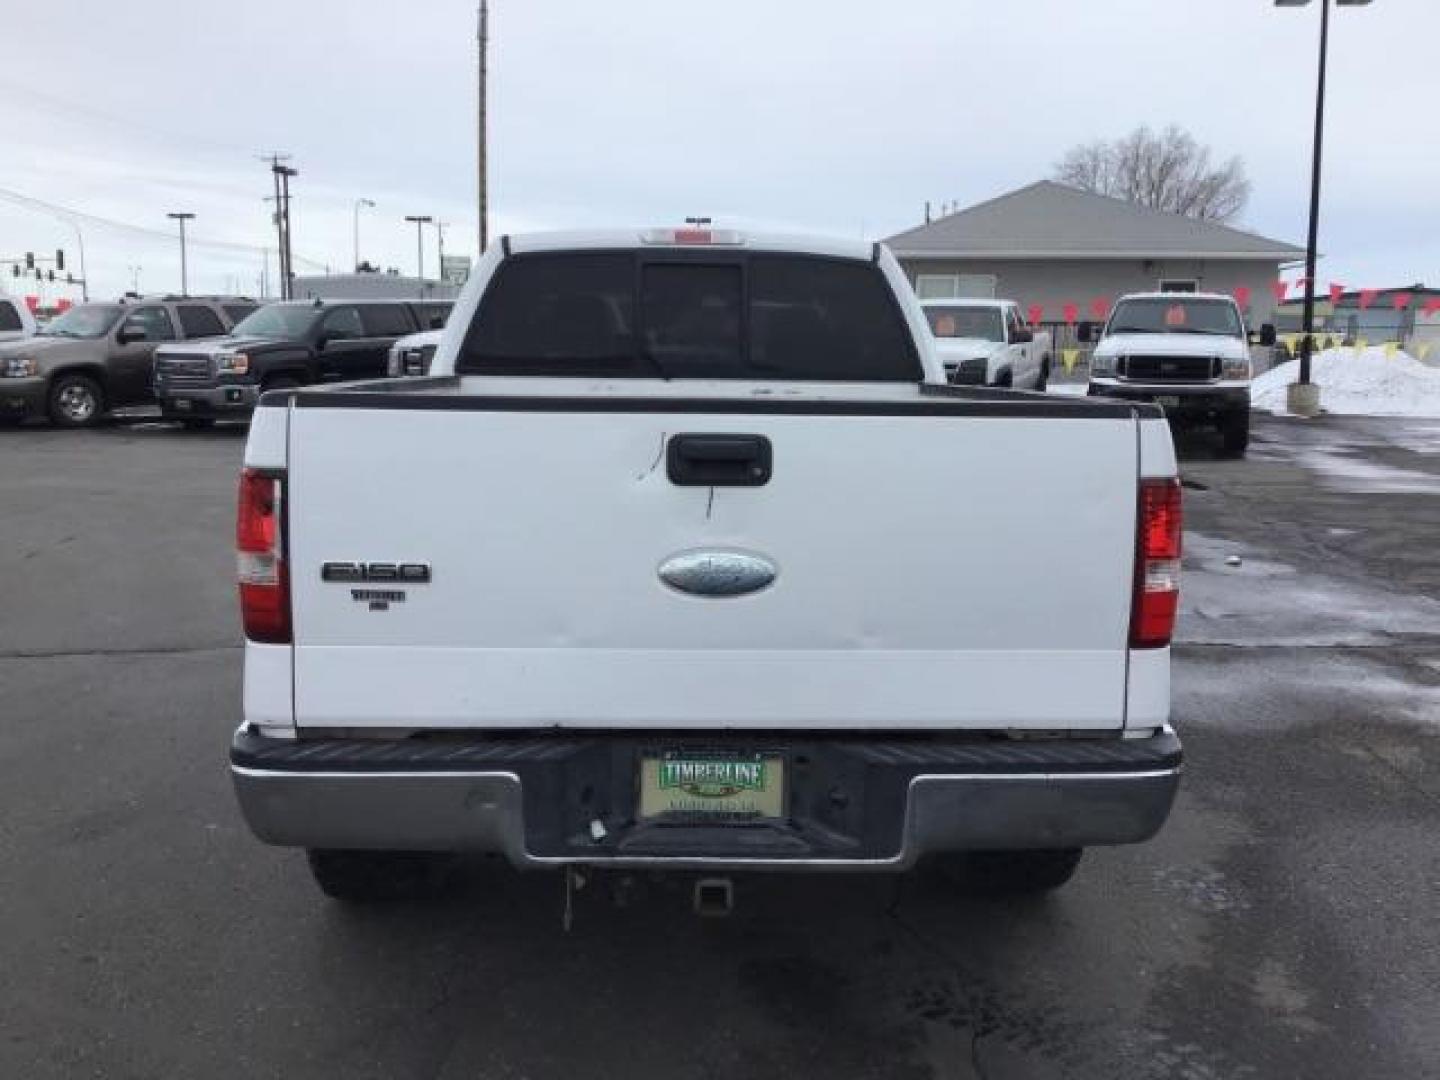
(1282, 925)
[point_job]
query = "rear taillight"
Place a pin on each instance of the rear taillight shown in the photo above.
(1157, 565)
(264, 588)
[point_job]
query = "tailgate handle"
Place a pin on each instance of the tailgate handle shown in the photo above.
(718, 460)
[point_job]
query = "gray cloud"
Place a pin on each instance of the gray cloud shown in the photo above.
(838, 116)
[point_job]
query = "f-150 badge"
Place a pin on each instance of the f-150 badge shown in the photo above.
(353, 573)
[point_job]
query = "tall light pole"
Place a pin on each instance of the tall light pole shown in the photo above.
(440, 248)
(420, 220)
(1303, 397)
(358, 204)
(184, 270)
(482, 164)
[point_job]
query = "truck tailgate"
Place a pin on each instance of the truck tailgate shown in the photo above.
(934, 570)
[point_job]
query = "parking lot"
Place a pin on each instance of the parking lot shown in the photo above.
(1283, 924)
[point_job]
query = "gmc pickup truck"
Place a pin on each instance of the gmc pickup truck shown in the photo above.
(667, 566)
(1187, 352)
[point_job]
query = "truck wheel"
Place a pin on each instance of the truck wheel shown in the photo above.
(75, 401)
(1005, 379)
(1043, 382)
(360, 877)
(1007, 873)
(1235, 434)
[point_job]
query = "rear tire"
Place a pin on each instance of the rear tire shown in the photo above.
(1005, 380)
(75, 401)
(369, 877)
(1043, 382)
(1235, 434)
(1007, 873)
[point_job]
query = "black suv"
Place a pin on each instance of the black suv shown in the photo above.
(282, 345)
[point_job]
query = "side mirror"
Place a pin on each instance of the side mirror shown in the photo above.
(129, 333)
(1267, 335)
(1020, 337)
(1085, 333)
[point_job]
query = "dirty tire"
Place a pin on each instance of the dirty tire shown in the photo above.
(371, 877)
(1006, 873)
(75, 401)
(1235, 434)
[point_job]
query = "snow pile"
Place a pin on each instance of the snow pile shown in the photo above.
(1356, 383)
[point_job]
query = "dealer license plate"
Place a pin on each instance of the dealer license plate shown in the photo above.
(183, 404)
(732, 787)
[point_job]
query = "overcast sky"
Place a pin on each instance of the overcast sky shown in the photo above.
(832, 116)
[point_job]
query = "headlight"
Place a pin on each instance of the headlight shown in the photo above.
(1238, 368)
(236, 363)
(1103, 366)
(17, 367)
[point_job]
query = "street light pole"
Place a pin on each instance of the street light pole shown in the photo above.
(359, 203)
(1307, 401)
(420, 220)
(184, 270)
(482, 163)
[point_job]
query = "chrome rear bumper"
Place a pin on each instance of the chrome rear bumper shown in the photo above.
(368, 806)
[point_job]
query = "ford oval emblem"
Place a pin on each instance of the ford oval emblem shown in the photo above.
(717, 573)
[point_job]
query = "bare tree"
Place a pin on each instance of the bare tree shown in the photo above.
(1165, 171)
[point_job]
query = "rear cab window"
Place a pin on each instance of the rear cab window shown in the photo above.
(696, 315)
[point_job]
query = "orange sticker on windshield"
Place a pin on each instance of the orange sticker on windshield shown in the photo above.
(1175, 316)
(945, 326)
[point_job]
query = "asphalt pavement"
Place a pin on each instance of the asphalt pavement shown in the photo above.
(1283, 924)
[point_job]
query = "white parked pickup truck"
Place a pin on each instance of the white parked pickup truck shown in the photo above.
(987, 343)
(667, 565)
(1187, 352)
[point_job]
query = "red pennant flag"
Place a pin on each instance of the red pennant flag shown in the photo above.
(1400, 301)
(1336, 292)
(33, 303)
(1035, 313)
(1242, 295)
(63, 305)
(1431, 306)
(1072, 313)
(1279, 288)
(1367, 297)
(1099, 307)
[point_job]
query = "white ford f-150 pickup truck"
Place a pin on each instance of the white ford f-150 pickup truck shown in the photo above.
(1187, 352)
(667, 565)
(987, 343)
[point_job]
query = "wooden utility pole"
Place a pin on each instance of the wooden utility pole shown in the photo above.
(482, 165)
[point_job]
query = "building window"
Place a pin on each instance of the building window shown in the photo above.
(955, 286)
(1179, 285)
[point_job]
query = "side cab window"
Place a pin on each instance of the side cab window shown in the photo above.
(342, 324)
(153, 322)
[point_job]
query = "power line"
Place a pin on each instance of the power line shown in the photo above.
(32, 203)
(102, 118)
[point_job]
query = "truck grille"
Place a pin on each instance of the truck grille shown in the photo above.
(1169, 368)
(187, 372)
